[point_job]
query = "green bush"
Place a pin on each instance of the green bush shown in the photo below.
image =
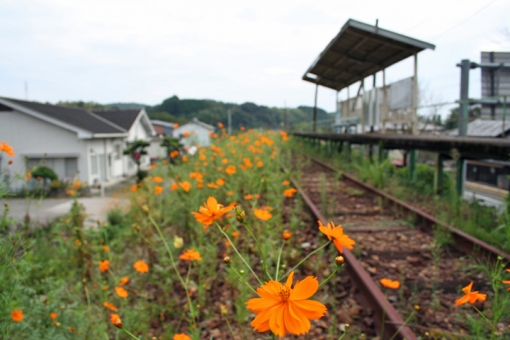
(140, 175)
(424, 183)
(44, 172)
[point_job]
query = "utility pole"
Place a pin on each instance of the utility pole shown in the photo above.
(315, 108)
(229, 122)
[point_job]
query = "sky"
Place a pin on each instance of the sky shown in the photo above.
(234, 51)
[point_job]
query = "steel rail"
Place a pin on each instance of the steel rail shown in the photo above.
(463, 241)
(372, 295)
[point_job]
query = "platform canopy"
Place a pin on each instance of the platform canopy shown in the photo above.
(358, 51)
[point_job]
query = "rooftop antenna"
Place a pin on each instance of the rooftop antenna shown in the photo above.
(376, 25)
(26, 90)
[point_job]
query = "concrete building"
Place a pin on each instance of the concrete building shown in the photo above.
(199, 133)
(74, 142)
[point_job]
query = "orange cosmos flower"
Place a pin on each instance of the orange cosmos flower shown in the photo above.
(390, 283)
(152, 166)
(224, 161)
(121, 292)
(286, 235)
(248, 197)
(134, 187)
(230, 193)
(184, 159)
(124, 281)
(242, 128)
(77, 185)
(70, 192)
(212, 186)
(181, 336)
(10, 152)
(110, 306)
(220, 125)
(174, 154)
(191, 255)
(176, 125)
(212, 211)
(337, 235)
(174, 186)
(260, 164)
(262, 214)
(185, 133)
(158, 179)
(17, 314)
(247, 162)
(289, 192)
(283, 309)
(235, 234)
(231, 169)
(202, 157)
(103, 265)
(220, 181)
(470, 296)
(106, 249)
(196, 175)
(53, 316)
(185, 185)
(507, 282)
(286, 182)
(115, 320)
(158, 190)
(141, 266)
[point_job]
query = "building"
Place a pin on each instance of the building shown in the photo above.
(198, 133)
(74, 142)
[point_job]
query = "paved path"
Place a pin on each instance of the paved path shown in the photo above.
(48, 209)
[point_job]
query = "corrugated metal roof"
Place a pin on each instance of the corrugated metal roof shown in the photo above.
(483, 128)
(360, 50)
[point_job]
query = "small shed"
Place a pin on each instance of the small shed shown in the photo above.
(194, 132)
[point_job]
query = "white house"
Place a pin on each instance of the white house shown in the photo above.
(72, 141)
(198, 133)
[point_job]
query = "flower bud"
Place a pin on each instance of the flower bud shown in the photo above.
(241, 272)
(178, 242)
(226, 260)
(286, 235)
(240, 214)
(116, 321)
(145, 208)
(339, 260)
(417, 307)
(223, 309)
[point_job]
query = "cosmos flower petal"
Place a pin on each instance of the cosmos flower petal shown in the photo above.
(305, 289)
(312, 309)
(276, 323)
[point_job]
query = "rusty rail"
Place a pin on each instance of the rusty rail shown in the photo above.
(463, 241)
(372, 295)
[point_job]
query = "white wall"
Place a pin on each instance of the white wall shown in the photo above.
(28, 135)
(97, 148)
(198, 134)
(138, 132)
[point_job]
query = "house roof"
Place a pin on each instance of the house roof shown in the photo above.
(199, 123)
(123, 118)
(162, 123)
(483, 128)
(80, 118)
(360, 50)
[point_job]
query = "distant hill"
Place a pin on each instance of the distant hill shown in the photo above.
(249, 115)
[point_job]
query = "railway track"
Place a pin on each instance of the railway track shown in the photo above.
(398, 241)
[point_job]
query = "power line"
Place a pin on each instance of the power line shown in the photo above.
(465, 20)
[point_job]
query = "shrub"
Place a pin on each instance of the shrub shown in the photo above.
(44, 172)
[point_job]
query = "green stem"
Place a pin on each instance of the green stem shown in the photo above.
(485, 318)
(278, 263)
(174, 265)
(243, 280)
(306, 258)
(260, 251)
(129, 333)
(403, 325)
(238, 254)
(230, 327)
(330, 275)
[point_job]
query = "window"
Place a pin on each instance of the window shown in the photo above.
(118, 152)
(71, 167)
(93, 164)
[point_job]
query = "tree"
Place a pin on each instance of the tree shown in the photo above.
(171, 144)
(136, 150)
